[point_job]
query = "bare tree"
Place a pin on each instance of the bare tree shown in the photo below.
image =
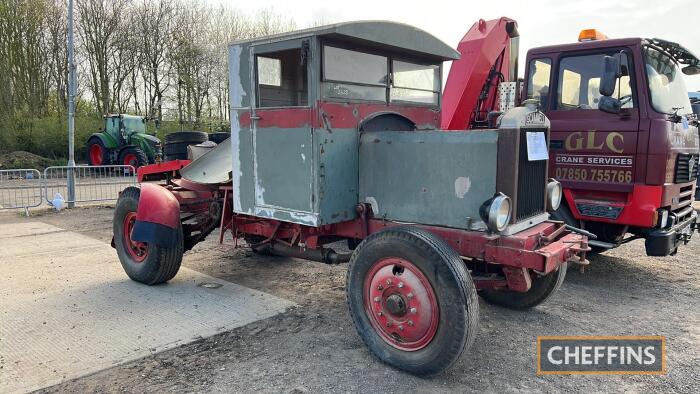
(99, 22)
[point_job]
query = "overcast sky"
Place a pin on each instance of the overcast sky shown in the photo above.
(540, 22)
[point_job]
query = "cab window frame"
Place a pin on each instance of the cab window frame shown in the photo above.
(556, 105)
(546, 59)
(389, 84)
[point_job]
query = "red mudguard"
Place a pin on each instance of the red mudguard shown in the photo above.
(157, 216)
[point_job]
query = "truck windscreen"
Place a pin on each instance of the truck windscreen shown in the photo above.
(668, 91)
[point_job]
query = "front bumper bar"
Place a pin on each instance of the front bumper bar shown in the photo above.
(665, 242)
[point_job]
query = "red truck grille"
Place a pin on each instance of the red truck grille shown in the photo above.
(686, 167)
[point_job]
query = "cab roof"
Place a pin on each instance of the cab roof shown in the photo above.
(681, 54)
(379, 34)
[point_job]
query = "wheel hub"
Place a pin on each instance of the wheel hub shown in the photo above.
(138, 251)
(401, 304)
(396, 305)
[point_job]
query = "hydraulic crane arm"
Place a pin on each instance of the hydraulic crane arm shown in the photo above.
(489, 55)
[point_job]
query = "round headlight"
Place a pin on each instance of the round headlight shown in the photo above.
(496, 212)
(554, 195)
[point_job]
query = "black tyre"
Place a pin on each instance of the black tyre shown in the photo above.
(133, 156)
(97, 153)
(412, 300)
(219, 137)
(145, 263)
(191, 137)
(543, 287)
(176, 151)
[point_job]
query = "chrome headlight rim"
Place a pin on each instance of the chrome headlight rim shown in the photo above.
(496, 221)
(555, 194)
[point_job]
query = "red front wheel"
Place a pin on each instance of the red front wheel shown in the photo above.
(412, 300)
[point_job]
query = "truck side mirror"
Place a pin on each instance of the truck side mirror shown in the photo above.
(609, 75)
(609, 104)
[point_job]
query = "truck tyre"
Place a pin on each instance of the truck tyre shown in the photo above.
(542, 288)
(412, 300)
(219, 137)
(191, 137)
(175, 146)
(133, 156)
(97, 153)
(145, 263)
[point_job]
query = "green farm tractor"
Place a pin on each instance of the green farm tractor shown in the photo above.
(124, 141)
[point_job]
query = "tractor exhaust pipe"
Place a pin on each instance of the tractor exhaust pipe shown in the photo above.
(322, 255)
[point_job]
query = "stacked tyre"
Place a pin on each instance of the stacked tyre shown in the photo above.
(175, 146)
(219, 137)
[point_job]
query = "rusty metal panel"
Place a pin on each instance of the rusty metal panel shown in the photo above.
(430, 177)
(337, 168)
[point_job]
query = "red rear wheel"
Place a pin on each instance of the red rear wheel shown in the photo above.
(137, 250)
(402, 303)
(96, 155)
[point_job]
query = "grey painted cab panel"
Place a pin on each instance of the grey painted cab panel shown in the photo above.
(431, 177)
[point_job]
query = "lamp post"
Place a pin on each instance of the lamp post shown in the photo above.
(71, 108)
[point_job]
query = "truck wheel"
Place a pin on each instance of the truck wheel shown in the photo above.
(412, 300)
(97, 153)
(133, 156)
(145, 263)
(542, 288)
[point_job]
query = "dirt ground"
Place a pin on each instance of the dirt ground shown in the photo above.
(315, 348)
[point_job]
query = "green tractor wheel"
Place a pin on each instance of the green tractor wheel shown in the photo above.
(133, 156)
(98, 154)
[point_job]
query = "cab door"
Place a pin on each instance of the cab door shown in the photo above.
(281, 122)
(590, 149)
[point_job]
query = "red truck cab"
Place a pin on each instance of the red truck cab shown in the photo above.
(628, 172)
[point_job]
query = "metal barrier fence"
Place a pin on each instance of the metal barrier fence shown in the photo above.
(20, 188)
(92, 183)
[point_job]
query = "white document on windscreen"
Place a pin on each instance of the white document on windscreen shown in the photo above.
(536, 146)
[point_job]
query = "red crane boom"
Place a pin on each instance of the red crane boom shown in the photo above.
(489, 56)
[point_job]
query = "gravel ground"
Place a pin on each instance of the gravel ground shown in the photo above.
(314, 347)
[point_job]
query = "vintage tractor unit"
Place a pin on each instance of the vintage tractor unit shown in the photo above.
(334, 137)
(124, 141)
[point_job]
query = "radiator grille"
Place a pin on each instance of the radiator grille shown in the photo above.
(531, 183)
(686, 167)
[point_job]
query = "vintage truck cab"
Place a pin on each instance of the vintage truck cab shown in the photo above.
(334, 137)
(627, 157)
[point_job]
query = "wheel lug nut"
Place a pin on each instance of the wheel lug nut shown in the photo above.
(400, 285)
(410, 323)
(414, 310)
(400, 328)
(377, 299)
(410, 296)
(388, 282)
(380, 313)
(388, 324)
(380, 287)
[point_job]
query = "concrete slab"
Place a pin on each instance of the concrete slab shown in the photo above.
(67, 309)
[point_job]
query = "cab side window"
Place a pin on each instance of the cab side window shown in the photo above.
(579, 82)
(282, 79)
(538, 81)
